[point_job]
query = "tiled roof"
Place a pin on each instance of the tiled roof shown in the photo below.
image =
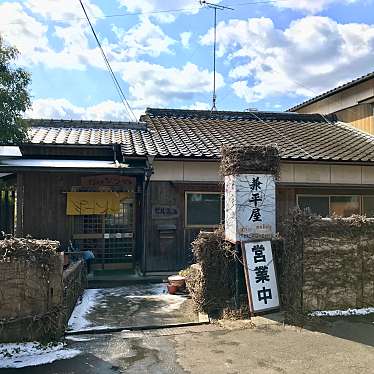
(344, 86)
(200, 134)
(83, 132)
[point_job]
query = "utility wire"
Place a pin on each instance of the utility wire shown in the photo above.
(114, 78)
(127, 14)
(279, 133)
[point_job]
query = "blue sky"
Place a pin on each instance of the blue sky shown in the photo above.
(270, 56)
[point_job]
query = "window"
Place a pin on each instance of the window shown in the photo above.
(344, 206)
(203, 209)
(316, 204)
(341, 205)
(368, 206)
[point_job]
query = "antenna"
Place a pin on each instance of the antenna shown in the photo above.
(214, 7)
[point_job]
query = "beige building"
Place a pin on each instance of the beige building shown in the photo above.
(352, 102)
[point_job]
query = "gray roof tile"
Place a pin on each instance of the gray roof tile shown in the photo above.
(200, 134)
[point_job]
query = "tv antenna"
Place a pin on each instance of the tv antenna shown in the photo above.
(215, 7)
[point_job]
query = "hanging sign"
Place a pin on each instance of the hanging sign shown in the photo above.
(86, 203)
(109, 180)
(249, 207)
(165, 212)
(260, 276)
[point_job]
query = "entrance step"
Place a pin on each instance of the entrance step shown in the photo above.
(117, 278)
(159, 328)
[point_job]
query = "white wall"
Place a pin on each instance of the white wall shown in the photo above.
(305, 173)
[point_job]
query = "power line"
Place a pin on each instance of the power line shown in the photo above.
(127, 14)
(114, 78)
(258, 2)
(280, 134)
(103, 16)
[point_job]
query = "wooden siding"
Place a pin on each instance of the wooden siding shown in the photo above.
(347, 98)
(43, 205)
(169, 249)
(361, 117)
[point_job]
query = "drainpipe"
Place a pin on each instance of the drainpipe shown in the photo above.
(115, 159)
(145, 204)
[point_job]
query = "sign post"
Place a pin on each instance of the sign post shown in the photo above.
(250, 219)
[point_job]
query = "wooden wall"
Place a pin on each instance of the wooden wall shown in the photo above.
(168, 240)
(41, 212)
(359, 116)
(41, 199)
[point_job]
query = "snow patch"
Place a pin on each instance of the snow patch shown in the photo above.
(79, 339)
(78, 320)
(337, 313)
(19, 355)
(154, 292)
(173, 302)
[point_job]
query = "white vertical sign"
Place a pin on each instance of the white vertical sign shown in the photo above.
(260, 276)
(249, 207)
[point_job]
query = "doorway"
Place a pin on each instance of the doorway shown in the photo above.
(111, 237)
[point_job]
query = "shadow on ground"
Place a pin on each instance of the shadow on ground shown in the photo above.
(359, 329)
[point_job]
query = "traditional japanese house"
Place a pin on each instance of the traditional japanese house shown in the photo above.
(140, 192)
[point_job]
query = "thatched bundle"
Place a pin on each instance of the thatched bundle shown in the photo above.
(326, 264)
(29, 250)
(211, 281)
(249, 159)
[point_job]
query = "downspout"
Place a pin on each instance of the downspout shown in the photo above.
(145, 203)
(115, 159)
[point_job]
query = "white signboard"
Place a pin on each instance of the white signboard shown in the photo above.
(249, 207)
(260, 276)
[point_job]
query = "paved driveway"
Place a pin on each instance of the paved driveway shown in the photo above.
(265, 349)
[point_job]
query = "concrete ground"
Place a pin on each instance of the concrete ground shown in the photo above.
(132, 305)
(345, 347)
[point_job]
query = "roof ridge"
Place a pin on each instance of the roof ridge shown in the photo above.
(64, 123)
(264, 115)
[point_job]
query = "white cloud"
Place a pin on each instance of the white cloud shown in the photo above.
(156, 85)
(63, 109)
(24, 32)
(143, 38)
(30, 36)
(63, 10)
(310, 6)
(163, 7)
(185, 38)
(198, 105)
(312, 55)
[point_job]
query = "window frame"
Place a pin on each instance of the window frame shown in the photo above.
(188, 226)
(313, 195)
(361, 202)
